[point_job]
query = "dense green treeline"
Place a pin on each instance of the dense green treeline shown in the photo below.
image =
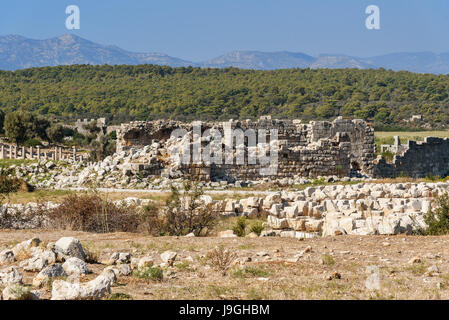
(148, 92)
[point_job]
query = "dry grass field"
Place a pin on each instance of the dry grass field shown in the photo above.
(383, 137)
(270, 268)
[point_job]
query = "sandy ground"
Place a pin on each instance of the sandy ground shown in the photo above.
(274, 271)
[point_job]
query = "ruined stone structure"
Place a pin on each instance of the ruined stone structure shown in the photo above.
(395, 148)
(138, 134)
(80, 124)
(417, 159)
(310, 150)
(11, 151)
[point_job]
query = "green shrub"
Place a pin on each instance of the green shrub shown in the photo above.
(432, 177)
(185, 212)
(240, 227)
(248, 272)
(8, 185)
(120, 296)
(437, 220)
(257, 227)
(328, 259)
(32, 143)
(151, 273)
(388, 155)
(20, 292)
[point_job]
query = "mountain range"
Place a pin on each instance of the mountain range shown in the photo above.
(17, 52)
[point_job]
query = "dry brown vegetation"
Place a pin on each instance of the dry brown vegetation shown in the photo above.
(91, 212)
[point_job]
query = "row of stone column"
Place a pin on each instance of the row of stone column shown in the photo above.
(14, 152)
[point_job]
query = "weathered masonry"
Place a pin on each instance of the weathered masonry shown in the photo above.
(416, 159)
(320, 148)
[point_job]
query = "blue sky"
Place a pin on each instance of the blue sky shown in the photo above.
(200, 29)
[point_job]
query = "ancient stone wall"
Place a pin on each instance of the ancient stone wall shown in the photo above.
(80, 124)
(138, 134)
(310, 150)
(417, 160)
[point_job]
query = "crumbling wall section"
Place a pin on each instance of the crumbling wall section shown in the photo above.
(419, 160)
(138, 134)
(319, 148)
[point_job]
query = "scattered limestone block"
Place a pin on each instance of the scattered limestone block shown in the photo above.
(10, 275)
(169, 257)
(19, 292)
(41, 259)
(119, 258)
(414, 260)
(7, 256)
(291, 212)
(70, 247)
(111, 273)
(23, 249)
(49, 272)
(124, 270)
(252, 235)
(92, 290)
(227, 234)
(34, 264)
(74, 266)
(145, 262)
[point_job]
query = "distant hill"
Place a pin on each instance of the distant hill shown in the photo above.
(261, 60)
(340, 62)
(421, 62)
(17, 52)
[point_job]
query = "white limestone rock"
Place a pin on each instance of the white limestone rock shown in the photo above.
(75, 266)
(10, 275)
(7, 256)
(169, 257)
(70, 247)
(47, 273)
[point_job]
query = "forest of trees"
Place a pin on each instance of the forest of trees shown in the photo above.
(146, 92)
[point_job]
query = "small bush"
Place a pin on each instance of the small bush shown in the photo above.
(185, 212)
(418, 269)
(151, 273)
(184, 266)
(432, 177)
(221, 259)
(21, 292)
(32, 143)
(151, 221)
(257, 227)
(437, 220)
(328, 259)
(240, 227)
(8, 185)
(120, 296)
(388, 155)
(248, 272)
(92, 257)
